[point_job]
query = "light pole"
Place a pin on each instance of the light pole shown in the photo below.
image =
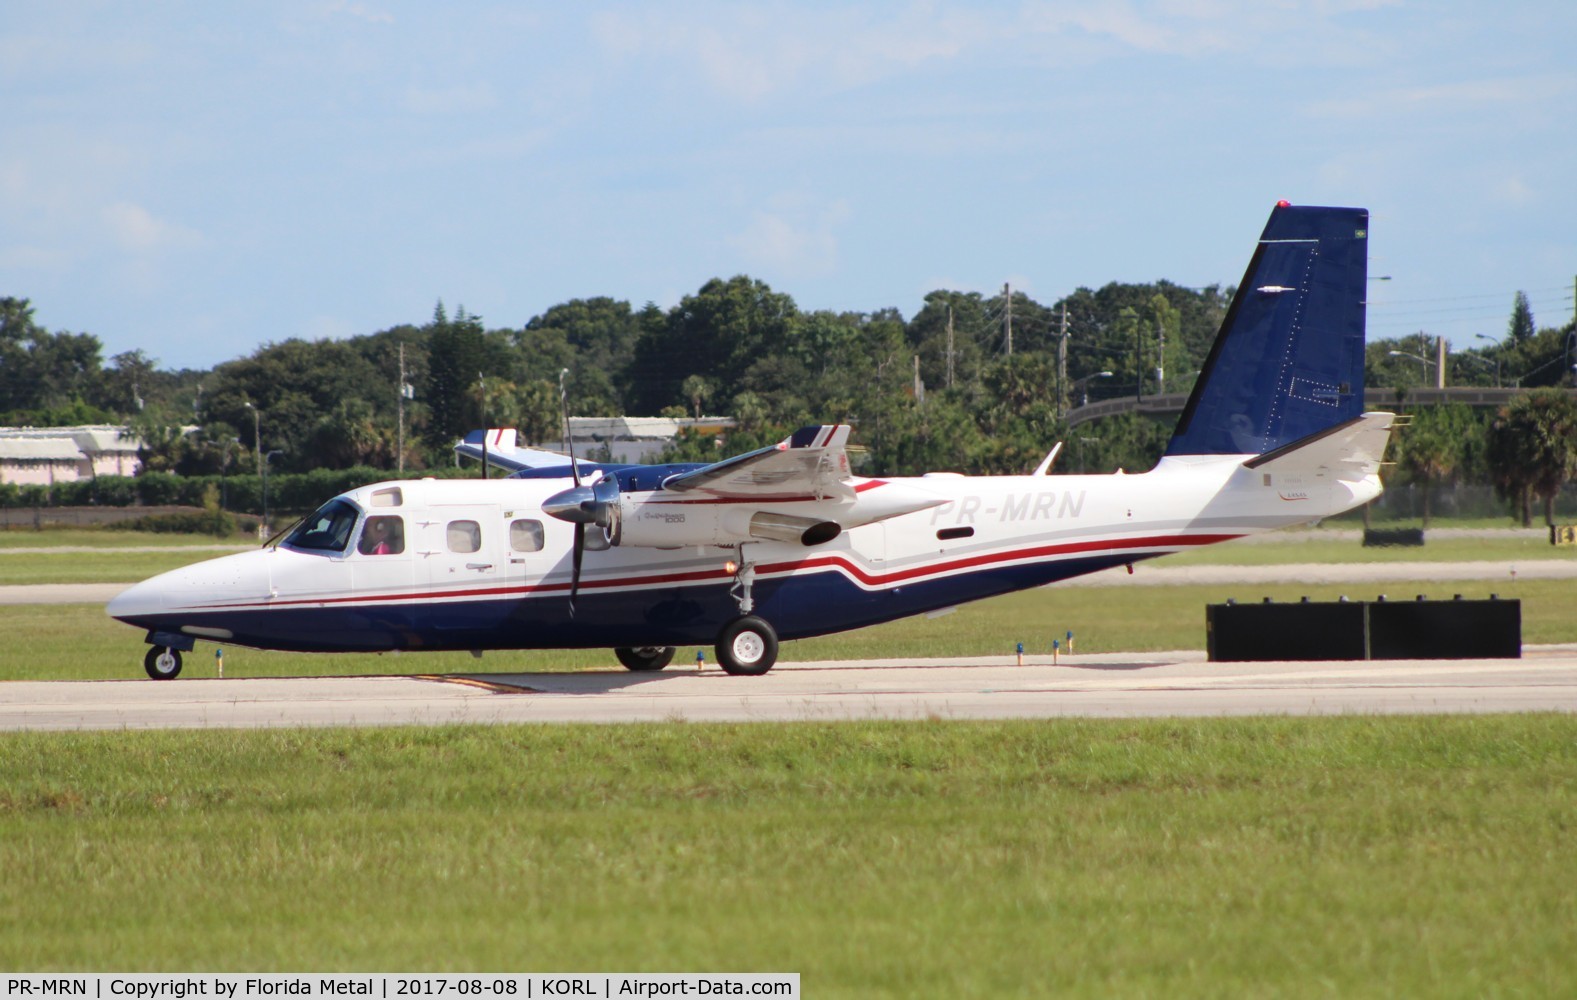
(1083, 455)
(257, 434)
(1478, 360)
(266, 459)
(224, 468)
(1082, 386)
(1492, 340)
(1416, 357)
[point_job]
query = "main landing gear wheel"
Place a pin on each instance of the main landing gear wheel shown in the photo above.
(747, 646)
(162, 663)
(643, 658)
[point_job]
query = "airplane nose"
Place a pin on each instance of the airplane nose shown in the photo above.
(137, 600)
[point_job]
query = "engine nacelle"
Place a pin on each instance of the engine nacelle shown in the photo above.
(673, 525)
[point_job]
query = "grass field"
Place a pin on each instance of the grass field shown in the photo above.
(1402, 856)
(78, 641)
(1310, 547)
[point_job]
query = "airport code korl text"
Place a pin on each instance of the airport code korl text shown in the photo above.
(170, 986)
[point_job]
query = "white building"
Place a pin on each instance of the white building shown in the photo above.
(48, 455)
(630, 439)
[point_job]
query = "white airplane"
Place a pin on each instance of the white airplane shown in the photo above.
(785, 542)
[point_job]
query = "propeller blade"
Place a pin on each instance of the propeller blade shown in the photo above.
(569, 446)
(574, 572)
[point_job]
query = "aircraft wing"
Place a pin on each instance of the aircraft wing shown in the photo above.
(810, 464)
(498, 446)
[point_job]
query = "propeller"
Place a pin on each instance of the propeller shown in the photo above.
(579, 548)
(581, 505)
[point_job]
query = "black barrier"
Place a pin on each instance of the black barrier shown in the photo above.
(1309, 631)
(1393, 536)
(1445, 630)
(1365, 630)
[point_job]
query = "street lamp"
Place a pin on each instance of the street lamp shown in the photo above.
(257, 434)
(1478, 360)
(1416, 357)
(224, 468)
(1082, 386)
(1084, 461)
(266, 459)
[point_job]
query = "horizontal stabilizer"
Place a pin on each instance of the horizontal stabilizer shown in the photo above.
(497, 447)
(1349, 451)
(810, 463)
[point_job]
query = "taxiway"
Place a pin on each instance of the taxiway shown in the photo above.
(1109, 685)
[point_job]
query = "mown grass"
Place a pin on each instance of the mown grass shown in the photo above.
(1309, 547)
(78, 641)
(1398, 856)
(111, 538)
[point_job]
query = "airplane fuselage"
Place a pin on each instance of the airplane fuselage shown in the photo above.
(478, 565)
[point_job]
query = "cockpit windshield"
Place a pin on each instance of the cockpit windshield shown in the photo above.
(327, 529)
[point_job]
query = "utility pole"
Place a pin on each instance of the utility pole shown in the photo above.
(949, 347)
(401, 406)
(1062, 363)
(1007, 293)
(481, 382)
(1138, 361)
(1160, 357)
(919, 386)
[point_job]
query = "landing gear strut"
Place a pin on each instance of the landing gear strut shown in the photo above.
(747, 645)
(162, 663)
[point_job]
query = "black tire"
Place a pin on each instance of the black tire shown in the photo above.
(162, 663)
(747, 646)
(644, 658)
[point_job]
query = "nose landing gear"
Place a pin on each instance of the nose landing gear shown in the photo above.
(162, 663)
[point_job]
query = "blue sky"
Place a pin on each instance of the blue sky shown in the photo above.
(198, 179)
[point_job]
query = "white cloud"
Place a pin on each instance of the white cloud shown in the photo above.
(137, 231)
(1509, 91)
(752, 53)
(791, 238)
(360, 11)
(1513, 190)
(450, 100)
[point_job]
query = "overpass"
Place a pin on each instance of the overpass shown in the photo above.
(1373, 399)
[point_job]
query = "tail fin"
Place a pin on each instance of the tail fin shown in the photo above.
(1288, 362)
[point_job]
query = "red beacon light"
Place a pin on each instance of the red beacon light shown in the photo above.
(1283, 203)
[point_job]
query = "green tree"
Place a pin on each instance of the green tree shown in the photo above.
(1434, 447)
(718, 333)
(1521, 326)
(1532, 449)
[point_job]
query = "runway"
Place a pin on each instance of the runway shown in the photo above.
(1108, 686)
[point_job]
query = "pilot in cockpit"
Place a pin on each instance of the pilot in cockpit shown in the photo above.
(383, 536)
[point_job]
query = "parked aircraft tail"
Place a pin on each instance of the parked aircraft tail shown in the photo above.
(1288, 361)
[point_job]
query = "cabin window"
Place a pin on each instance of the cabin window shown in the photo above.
(464, 536)
(946, 534)
(390, 497)
(383, 535)
(326, 529)
(525, 535)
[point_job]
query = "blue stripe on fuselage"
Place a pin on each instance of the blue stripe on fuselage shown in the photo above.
(798, 606)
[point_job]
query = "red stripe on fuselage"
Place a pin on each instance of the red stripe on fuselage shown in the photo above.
(829, 561)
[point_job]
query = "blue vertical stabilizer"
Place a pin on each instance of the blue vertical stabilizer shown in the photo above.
(1288, 361)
